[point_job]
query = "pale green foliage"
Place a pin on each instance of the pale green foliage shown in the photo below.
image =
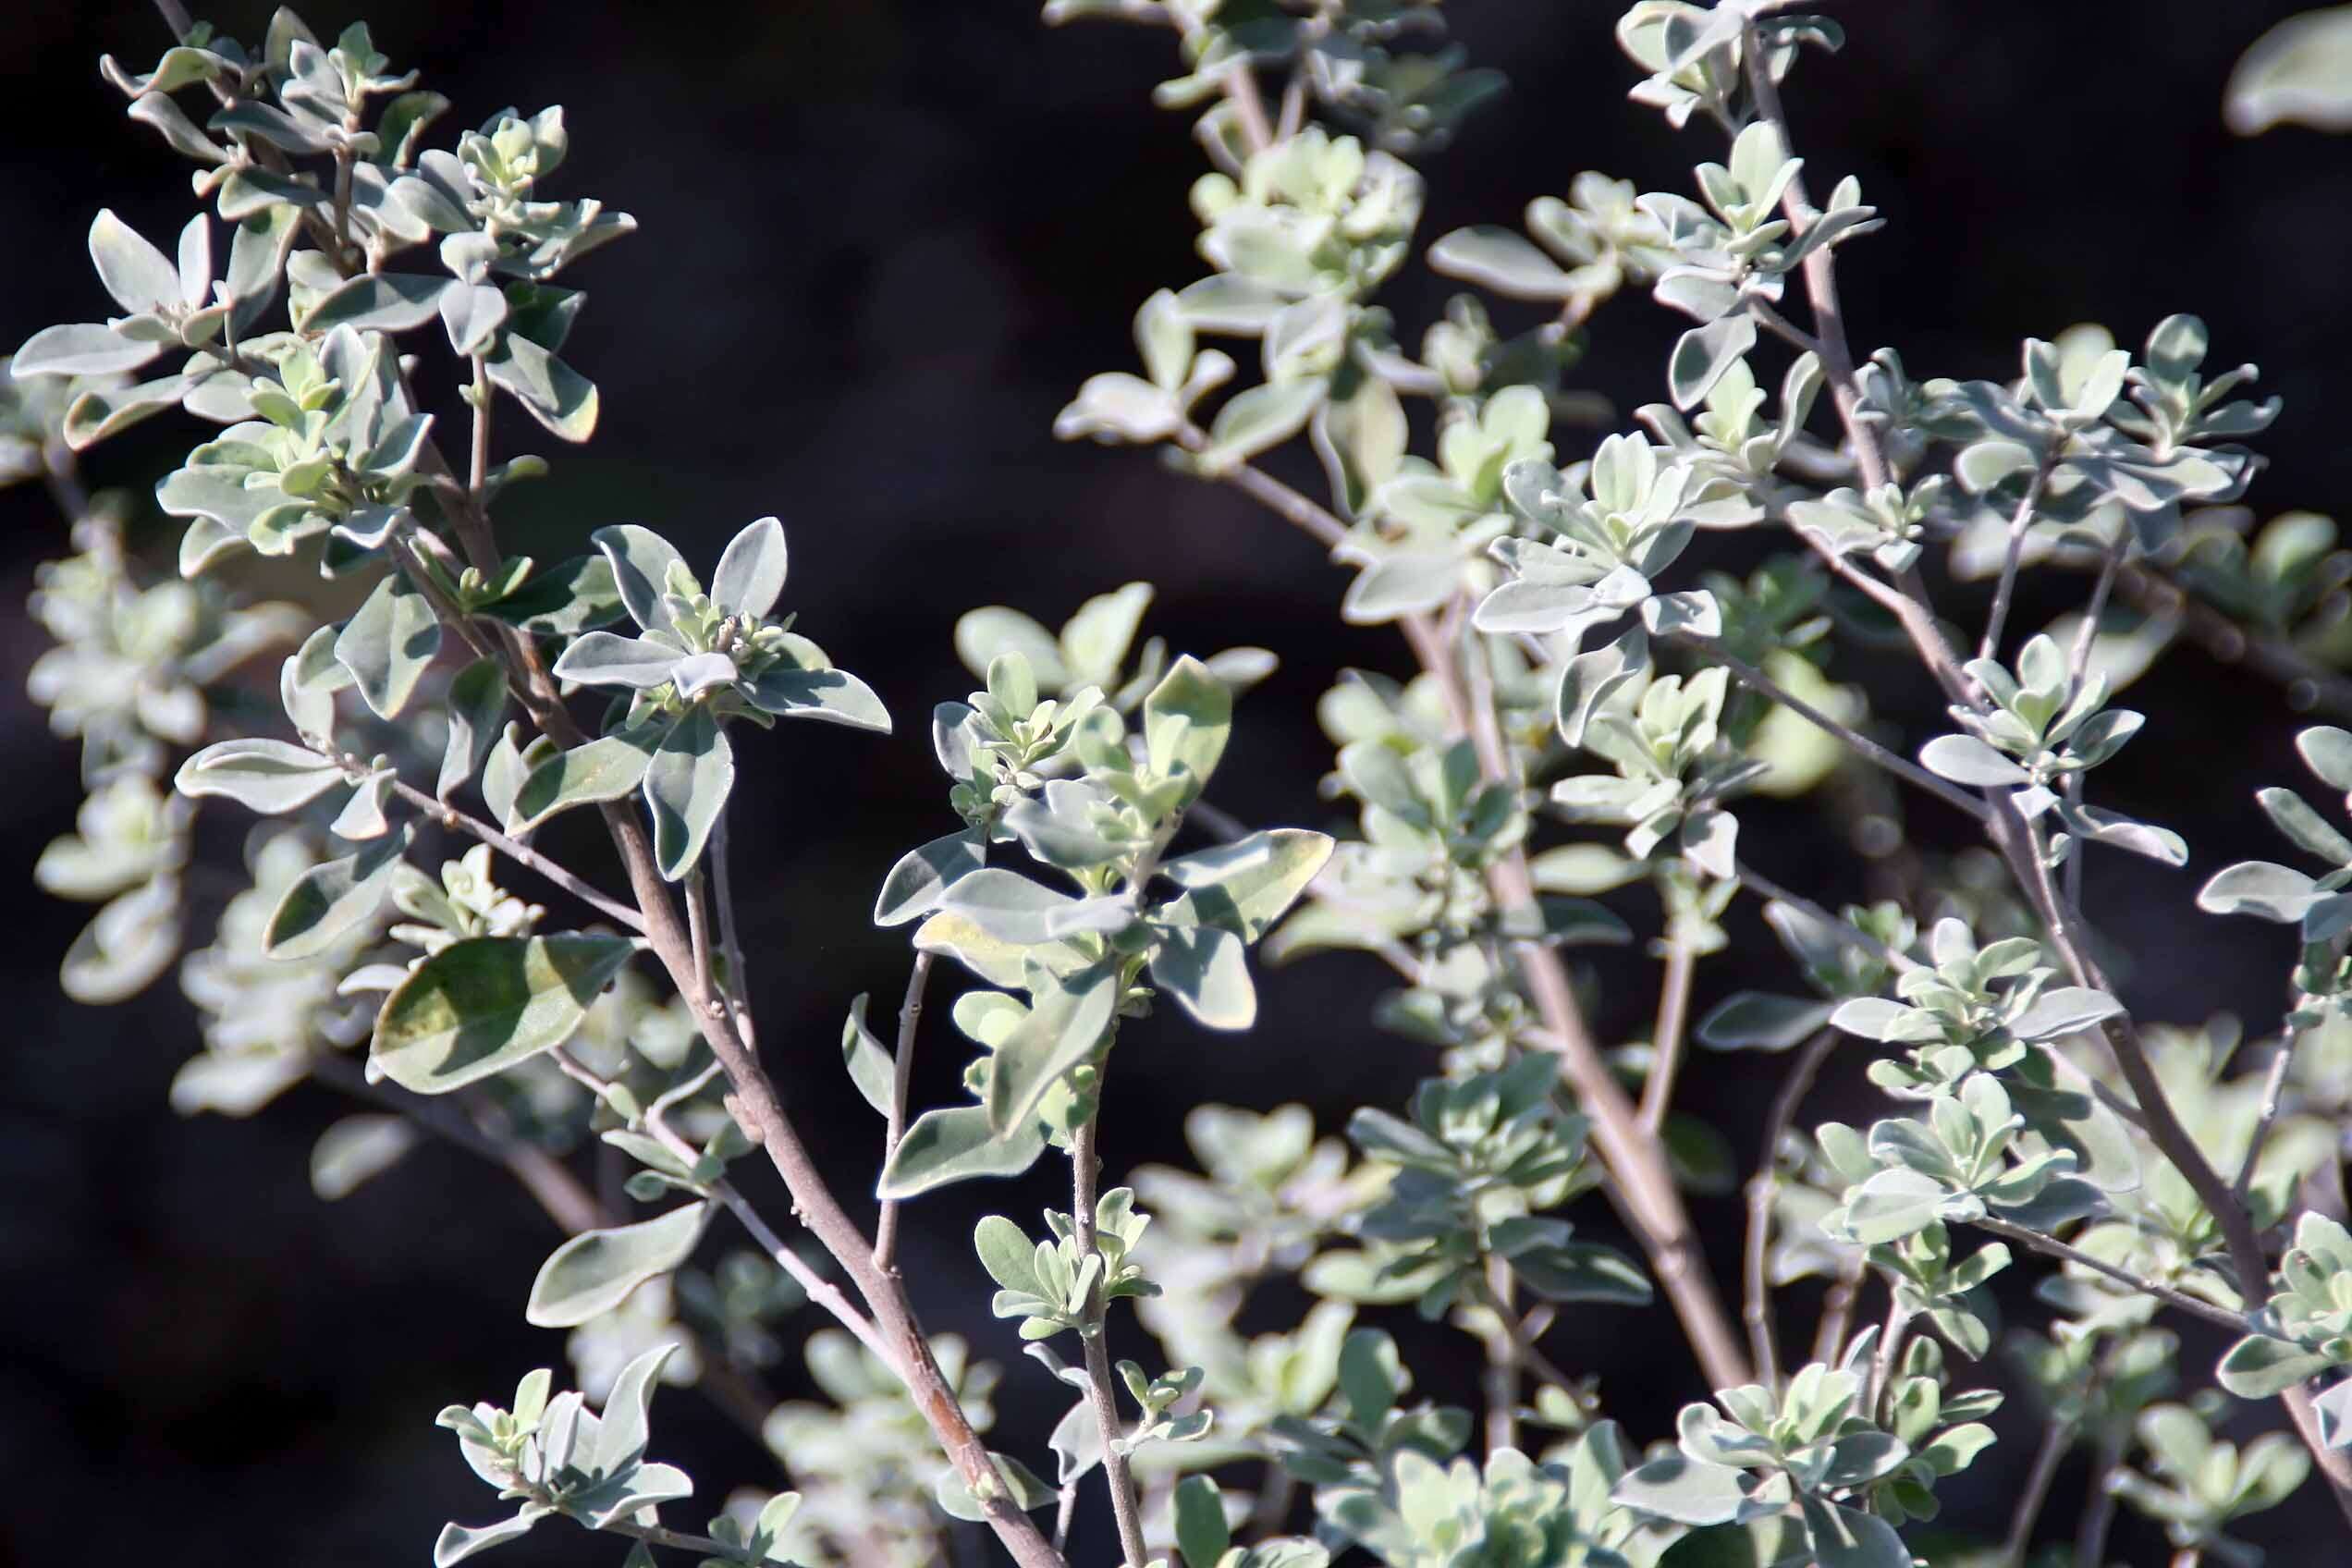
(1570, 678)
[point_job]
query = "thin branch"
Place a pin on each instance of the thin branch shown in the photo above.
(2056, 1440)
(1645, 1190)
(1086, 1175)
(730, 944)
(2099, 1506)
(2195, 1306)
(818, 1289)
(698, 933)
(2022, 519)
(1779, 326)
(1898, 1320)
(1837, 1309)
(2274, 1089)
(1757, 1309)
(2309, 684)
(1764, 887)
(1270, 493)
(1504, 1356)
(478, 465)
(1821, 273)
(1667, 1039)
(1870, 750)
(1522, 1344)
(2011, 835)
(886, 1234)
(520, 853)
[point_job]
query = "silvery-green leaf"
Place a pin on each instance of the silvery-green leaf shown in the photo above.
(1582, 1271)
(922, 876)
(1062, 1030)
(1202, 1534)
(1245, 886)
(1055, 831)
(471, 314)
(594, 1271)
(129, 942)
(607, 769)
(1186, 719)
(1202, 967)
(982, 634)
(1963, 759)
(1695, 612)
(355, 1149)
(381, 301)
(2292, 815)
(624, 1429)
(102, 411)
(551, 392)
(388, 644)
(1847, 1537)
(1985, 464)
(1400, 582)
(2258, 888)
(1703, 354)
(698, 673)
(1009, 1256)
(687, 784)
(458, 1542)
(958, 937)
(2327, 750)
(1501, 259)
(2299, 72)
(750, 571)
(268, 776)
(957, 1144)
(1223, 303)
(2259, 1366)
(256, 256)
(476, 705)
(139, 276)
(1094, 643)
(1891, 1205)
(2063, 1010)
(1588, 680)
(602, 658)
(1252, 420)
(1678, 1487)
(324, 903)
(1756, 1021)
(1887, 1021)
(481, 1005)
(1114, 405)
(567, 598)
(81, 348)
(872, 1067)
(834, 696)
(1021, 1484)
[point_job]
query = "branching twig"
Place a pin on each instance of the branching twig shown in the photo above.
(1764, 887)
(886, 1234)
(2274, 1089)
(1644, 1188)
(2195, 1306)
(1868, 749)
(1757, 1309)
(520, 853)
(1669, 1037)
(1086, 1176)
(2056, 1440)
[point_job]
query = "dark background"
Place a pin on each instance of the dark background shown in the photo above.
(880, 245)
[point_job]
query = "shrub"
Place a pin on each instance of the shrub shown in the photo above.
(1574, 670)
